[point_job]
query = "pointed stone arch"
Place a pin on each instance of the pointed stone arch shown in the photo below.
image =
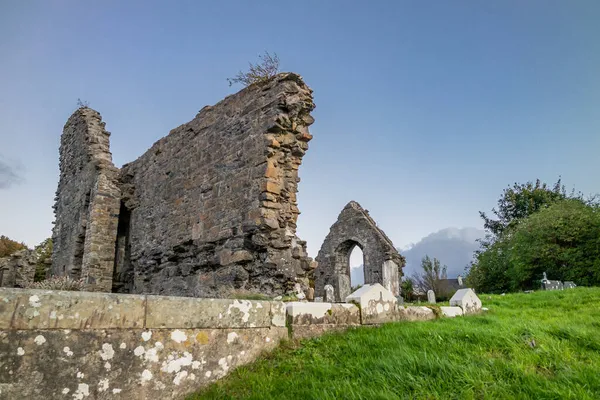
(382, 262)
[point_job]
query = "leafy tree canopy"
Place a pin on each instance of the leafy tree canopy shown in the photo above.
(520, 201)
(562, 239)
(8, 246)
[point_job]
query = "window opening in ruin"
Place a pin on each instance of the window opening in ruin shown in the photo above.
(357, 267)
(123, 271)
(75, 271)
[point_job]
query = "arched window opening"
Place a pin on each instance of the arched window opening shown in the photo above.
(357, 268)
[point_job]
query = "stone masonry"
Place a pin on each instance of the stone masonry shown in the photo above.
(207, 210)
(18, 269)
(87, 203)
(382, 262)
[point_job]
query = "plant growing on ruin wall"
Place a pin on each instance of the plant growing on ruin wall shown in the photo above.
(58, 283)
(262, 71)
(82, 104)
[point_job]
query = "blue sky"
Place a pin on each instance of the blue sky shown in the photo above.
(425, 110)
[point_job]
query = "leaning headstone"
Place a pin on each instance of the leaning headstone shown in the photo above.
(467, 300)
(341, 287)
(569, 285)
(431, 296)
(329, 298)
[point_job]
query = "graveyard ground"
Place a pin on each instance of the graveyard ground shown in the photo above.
(542, 345)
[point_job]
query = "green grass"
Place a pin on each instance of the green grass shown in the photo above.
(488, 356)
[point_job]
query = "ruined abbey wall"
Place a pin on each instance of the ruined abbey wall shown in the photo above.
(87, 203)
(209, 209)
(213, 204)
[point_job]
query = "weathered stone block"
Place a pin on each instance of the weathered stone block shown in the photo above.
(451, 311)
(377, 304)
(467, 300)
(415, 313)
(186, 312)
(302, 313)
(277, 313)
(49, 309)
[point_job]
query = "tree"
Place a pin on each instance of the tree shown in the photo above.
(43, 256)
(8, 246)
(433, 277)
(562, 239)
(262, 71)
(520, 201)
(489, 271)
(407, 289)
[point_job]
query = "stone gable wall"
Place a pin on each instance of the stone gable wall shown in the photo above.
(354, 227)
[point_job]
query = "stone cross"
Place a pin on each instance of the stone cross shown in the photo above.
(431, 296)
(329, 295)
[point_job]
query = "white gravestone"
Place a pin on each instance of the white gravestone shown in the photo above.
(329, 295)
(467, 300)
(431, 296)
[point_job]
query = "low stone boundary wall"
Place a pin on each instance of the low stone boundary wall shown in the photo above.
(84, 345)
(92, 345)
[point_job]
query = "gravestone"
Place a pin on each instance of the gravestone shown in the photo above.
(377, 304)
(299, 292)
(318, 300)
(310, 294)
(552, 285)
(390, 278)
(569, 285)
(341, 287)
(329, 292)
(467, 300)
(431, 296)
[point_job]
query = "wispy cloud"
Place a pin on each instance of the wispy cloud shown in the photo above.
(10, 173)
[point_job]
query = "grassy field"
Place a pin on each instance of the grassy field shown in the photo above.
(543, 345)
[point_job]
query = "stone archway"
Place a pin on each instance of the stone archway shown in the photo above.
(382, 262)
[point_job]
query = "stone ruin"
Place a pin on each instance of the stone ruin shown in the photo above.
(209, 209)
(18, 269)
(382, 262)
